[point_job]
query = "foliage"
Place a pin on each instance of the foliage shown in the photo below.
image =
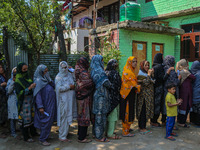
(110, 51)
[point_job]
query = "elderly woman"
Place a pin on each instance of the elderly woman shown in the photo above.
(145, 99)
(45, 103)
(114, 94)
(3, 99)
(66, 100)
(12, 102)
(185, 91)
(84, 93)
(100, 99)
(128, 90)
(24, 90)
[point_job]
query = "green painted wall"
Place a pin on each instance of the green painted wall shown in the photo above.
(126, 38)
(158, 7)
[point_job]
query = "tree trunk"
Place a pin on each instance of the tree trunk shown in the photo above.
(61, 42)
(5, 49)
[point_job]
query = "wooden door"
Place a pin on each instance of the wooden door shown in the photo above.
(156, 48)
(139, 51)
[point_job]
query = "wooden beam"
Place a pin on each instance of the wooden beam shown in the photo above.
(94, 15)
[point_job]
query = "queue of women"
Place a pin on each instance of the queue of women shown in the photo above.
(99, 97)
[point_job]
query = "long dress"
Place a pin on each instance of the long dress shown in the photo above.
(158, 86)
(45, 98)
(3, 102)
(101, 100)
(114, 94)
(145, 101)
(84, 93)
(66, 100)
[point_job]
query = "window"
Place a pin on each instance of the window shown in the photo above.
(86, 44)
(190, 42)
(148, 1)
(109, 13)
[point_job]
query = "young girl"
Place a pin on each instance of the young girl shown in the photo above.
(12, 102)
(128, 90)
(185, 91)
(145, 101)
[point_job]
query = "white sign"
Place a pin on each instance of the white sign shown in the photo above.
(139, 47)
(157, 48)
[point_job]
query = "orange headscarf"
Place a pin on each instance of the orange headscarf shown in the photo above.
(129, 80)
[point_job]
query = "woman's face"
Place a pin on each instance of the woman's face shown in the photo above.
(134, 63)
(14, 71)
(45, 71)
(1, 69)
(146, 66)
(24, 68)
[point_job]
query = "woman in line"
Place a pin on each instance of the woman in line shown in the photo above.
(100, 99)
(12, 103)
(66, 100)
(158, 88)
(24, 90)
(128, 90)
(3, 99)
(185, 91)
(145, 99)
(115, 98)
(45, 103)
(84, 93)
(195, 114)
(170, 77)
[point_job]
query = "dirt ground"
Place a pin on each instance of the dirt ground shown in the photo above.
(188, 139)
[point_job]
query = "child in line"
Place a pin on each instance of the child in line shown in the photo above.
(171, 107)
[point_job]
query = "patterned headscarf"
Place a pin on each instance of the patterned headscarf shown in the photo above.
(11, 79)
(97, 71)
(129, 79)
(40, 79)
(195, 68)
(169, 61)
(81, 65)
(158, 59)
(142, 66)
(183, 67)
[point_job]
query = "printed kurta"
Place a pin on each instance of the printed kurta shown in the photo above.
(3, 101)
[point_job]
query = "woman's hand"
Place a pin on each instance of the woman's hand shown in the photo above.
(31, 86)
(150, 71)
(169, 70)
(179, 77)
(4, 84)
(72, 87)
(41, 110)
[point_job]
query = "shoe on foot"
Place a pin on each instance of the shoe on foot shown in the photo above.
(45, 143)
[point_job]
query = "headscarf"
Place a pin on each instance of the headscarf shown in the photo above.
(142, 66)
(183, 67)
(83, 79)
(195, 68)
(22, 82)
(10, 80)
(97, 71)
(129, 79)
(63, 71)
(111, 65)
(169, 61)
(158, 59)
(40, 79)
(115, 79)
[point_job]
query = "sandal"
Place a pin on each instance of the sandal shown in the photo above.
(116, 137)
(155, 125)
(184, 126)
(129, 135)
(174, 134)
(170, 138)
(103, 140)
(30, 140)
(85, 141)
(65, 140)
(145, 132)
(45, 143)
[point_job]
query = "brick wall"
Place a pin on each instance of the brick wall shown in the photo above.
(158, 7)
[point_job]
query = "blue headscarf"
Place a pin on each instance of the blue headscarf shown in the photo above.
(195, 68)
(97, 71)
(40, 79)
